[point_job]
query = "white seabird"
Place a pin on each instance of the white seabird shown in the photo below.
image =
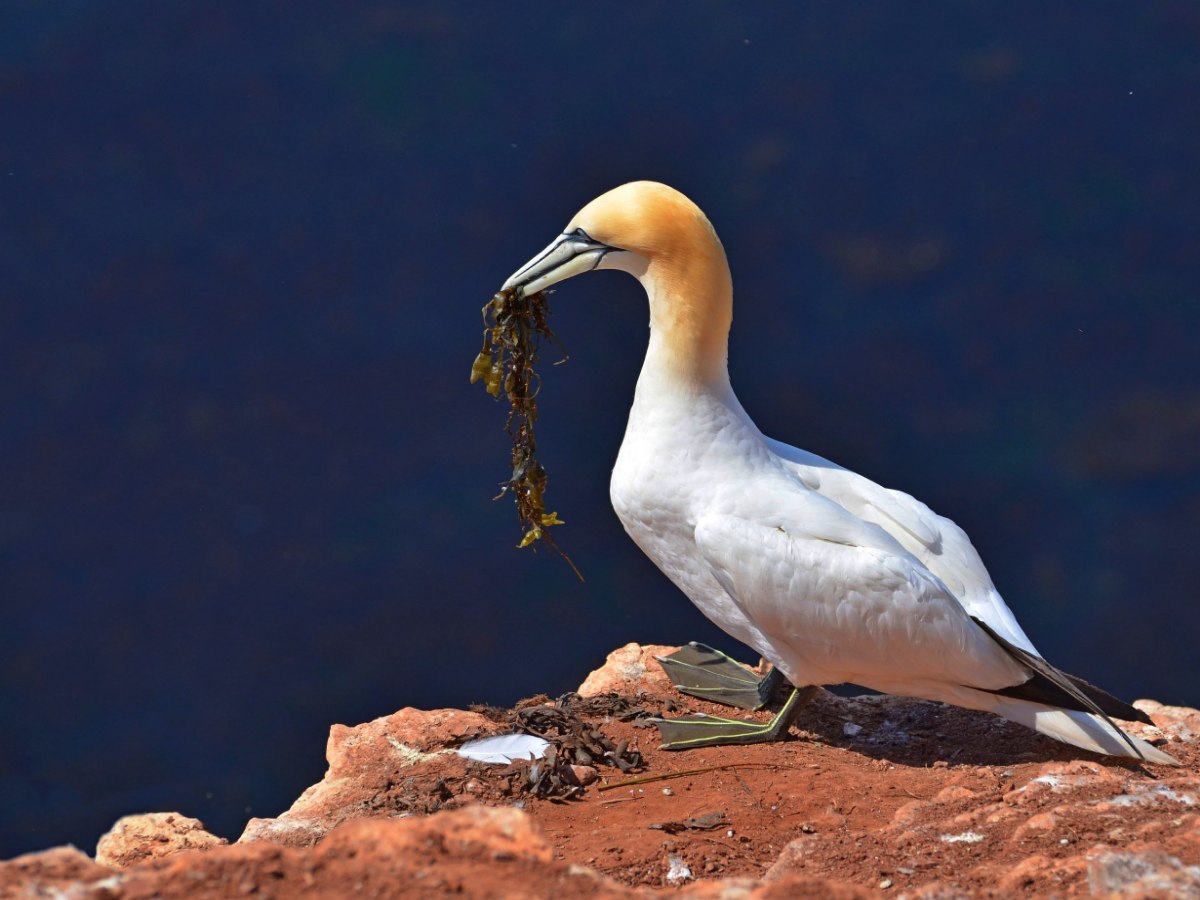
(829, 576)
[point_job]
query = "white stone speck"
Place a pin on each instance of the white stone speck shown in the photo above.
(967, 837)
(677, 870)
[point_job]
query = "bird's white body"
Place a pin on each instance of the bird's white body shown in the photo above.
(831, 577)
(767, 546)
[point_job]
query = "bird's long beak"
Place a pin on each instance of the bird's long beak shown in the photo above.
(569, 254)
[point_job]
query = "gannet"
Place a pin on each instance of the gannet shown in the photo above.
(829, 576)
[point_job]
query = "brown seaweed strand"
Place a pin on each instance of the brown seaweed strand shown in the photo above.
(514, 326)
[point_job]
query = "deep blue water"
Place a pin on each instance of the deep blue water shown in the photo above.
(243, 247)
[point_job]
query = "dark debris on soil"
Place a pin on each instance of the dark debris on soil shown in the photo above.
(574, 726)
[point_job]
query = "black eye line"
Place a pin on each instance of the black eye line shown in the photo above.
(604, 248)
(583, 235)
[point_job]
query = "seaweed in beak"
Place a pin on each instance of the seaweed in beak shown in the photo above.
(514, 324)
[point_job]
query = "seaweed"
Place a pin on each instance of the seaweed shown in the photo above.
(576, 738)
(514, 325)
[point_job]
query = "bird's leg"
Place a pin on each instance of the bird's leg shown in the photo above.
(709, 674)
(700, 730)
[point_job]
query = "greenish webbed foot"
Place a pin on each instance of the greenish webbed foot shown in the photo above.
(689, 732)
(701, 671)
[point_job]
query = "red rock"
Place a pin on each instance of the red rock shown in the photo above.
(1038, 875)
(1029, 873)
(798, 887)
(629, 669)
(51, 873)
(1036, 826)
(795, 856)
(1180, 720)
(474, 831)
(910, 812)
(474, 852)
(1151, 874)
(819, 815)
(366, 763)
(994, 813)
(722, 889)
(584, 775)
(954, 793)
(134, 839)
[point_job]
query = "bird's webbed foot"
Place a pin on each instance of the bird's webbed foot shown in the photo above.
(701, 671)
(699, 730)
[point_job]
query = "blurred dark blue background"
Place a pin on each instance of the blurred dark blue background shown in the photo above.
(243, 247)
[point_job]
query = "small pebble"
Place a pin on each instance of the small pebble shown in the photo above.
(584, 775)
(885, 884)
(677, 870)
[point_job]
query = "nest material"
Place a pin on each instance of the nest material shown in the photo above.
(568, 723)
(514, 324)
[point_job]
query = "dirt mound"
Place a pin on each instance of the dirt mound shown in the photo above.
(871, 796)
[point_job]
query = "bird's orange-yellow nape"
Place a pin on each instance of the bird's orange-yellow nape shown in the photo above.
(660, 236)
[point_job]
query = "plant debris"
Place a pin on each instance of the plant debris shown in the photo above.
(574, 741)
(708, 822)
(513, 326)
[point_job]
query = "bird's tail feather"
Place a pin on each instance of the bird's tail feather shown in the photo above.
(1081, 729)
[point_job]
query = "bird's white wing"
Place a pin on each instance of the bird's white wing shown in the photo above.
(939, 544)
(860, 610)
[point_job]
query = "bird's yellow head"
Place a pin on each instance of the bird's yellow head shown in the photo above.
(637, 227)
(663, 239)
